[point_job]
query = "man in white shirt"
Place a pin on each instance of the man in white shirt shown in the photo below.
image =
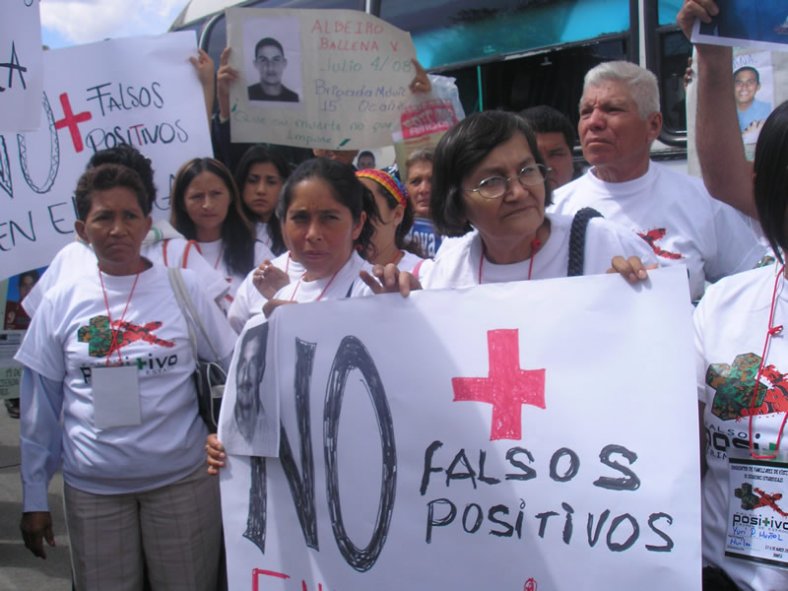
(673, 212)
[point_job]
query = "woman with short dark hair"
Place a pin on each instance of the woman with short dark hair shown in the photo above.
(107, 391)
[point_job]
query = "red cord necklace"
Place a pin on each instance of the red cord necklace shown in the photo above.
(322, 293)
(770, 332)
(113, 342)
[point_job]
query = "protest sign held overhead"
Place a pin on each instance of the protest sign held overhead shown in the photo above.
(495, 448)
(331, 79)
(137, 91)
(743, 23)
(21, 71)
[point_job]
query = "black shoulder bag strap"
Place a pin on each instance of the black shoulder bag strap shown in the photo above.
(577, 240)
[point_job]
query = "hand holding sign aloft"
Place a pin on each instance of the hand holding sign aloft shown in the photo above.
(225, 77)
(695, 9)
(203, 64)
(727, 173)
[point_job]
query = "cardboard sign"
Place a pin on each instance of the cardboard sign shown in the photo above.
(331, 79)
(139, 91)
(21, 70)
(536, 435)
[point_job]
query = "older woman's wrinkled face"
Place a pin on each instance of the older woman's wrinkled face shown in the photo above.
(115, 227)
(519, 211)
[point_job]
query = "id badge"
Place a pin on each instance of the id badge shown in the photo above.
(758, 511)
(116, 396)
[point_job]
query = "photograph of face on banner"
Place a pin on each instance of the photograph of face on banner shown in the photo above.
(754, 92)
(249, 423)
(15, 317)
(273, 68)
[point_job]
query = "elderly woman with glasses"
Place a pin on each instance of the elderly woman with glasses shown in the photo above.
(489, 187)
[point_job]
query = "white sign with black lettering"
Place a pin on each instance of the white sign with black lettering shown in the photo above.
(468, 439)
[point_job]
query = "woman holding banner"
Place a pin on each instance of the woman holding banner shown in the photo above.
(328, 217)
(389, 245)
(490, 188)
(107, 391)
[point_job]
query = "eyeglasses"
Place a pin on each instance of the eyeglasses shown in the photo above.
(496, 186)
(275, 61)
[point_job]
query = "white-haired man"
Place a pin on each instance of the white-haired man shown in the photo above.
(673, 212)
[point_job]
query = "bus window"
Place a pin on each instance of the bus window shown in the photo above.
(456, 32)
(672, 52)
(552, 78)
(674, 49)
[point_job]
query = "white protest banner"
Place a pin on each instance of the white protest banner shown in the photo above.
(21, 70)
(139, 91)
(535, 435)
(331, 79)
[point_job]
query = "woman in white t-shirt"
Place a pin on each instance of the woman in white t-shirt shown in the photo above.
(107, 393)
(205, 206)
(328, 217)
(489, 188)
(742, 376)
(390, 244)
(260, 174)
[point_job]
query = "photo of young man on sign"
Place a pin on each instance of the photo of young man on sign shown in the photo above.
(274, 69)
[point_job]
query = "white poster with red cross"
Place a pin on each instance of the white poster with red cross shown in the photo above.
(533, 436)
(139, 91)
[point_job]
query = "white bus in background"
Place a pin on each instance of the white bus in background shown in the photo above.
(513, 54)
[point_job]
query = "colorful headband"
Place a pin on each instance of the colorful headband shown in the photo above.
(387, 181)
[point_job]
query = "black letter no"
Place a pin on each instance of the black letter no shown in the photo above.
(352, 355)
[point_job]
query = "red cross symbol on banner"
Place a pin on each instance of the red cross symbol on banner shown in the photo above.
(72, 122)
(507, 388)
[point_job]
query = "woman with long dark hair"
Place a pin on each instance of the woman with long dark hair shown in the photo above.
(260, 175)
(206, 207)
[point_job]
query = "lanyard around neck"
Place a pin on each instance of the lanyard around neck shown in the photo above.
(771, 331)
(114, 340)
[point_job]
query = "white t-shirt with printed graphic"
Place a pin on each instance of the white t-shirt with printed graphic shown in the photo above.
(730, 323)
(69, 335)
(459, 265)
(676, 215)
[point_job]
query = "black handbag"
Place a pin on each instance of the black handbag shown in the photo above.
(209, 376)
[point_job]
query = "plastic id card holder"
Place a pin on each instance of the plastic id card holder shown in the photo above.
(116, 396)
(758, 511)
